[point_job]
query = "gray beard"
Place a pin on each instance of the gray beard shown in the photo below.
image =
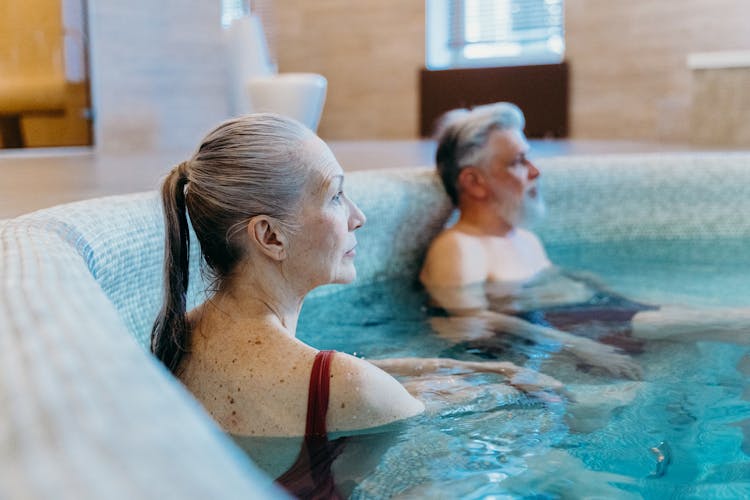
(525, 213)
(532, 209)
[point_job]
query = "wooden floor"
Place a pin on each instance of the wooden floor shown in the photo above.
(38, 178)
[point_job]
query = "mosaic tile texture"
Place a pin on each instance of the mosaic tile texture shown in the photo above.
(78, 280)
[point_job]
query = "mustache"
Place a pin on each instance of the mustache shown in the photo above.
(532, 191)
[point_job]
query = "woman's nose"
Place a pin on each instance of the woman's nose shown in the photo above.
(357, 218)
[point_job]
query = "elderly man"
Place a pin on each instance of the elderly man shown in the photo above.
(492, 275)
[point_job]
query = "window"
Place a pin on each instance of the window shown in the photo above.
(475, 33)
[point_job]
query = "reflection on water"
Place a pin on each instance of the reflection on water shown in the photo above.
(605, 437)
(354, 455)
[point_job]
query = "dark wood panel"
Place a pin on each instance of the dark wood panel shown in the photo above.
(10, 132)
(541, 91)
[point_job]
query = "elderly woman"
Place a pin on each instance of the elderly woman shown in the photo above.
(266, 199)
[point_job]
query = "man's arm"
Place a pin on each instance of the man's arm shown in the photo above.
(470, 317)
(474, 324)
(589, 351)
(721, 324)
(454, 272)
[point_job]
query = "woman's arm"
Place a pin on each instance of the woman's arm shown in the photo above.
(444, 368)
(415, 367)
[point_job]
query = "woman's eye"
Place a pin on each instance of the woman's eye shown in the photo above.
(338, 196)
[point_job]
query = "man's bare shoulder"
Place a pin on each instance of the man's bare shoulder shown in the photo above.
(534, 246)
(454, 258)
(455, 240)
(529, 236)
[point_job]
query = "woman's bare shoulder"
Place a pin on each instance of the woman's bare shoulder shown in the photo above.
(363, 395)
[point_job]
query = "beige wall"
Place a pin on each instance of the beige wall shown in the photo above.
(370, 52)
(721, 107)
(628, 62)
(629, 79)
(158, 73)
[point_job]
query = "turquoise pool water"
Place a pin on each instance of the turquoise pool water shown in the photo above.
(692, 407)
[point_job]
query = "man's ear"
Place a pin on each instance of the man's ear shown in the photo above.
(472, 182)
(264, 233)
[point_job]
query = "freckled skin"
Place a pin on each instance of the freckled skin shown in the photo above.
(243, 338)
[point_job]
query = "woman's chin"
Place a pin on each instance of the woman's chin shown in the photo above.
(345, 276)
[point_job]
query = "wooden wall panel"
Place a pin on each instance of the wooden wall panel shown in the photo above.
(629, 77)
(627, 60)
(370, 51)
(720, 112)
(541, 91)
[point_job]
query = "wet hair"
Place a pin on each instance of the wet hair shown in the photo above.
(462, 134)
(248, 166)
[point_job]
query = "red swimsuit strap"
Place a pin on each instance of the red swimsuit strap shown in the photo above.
(317, 398)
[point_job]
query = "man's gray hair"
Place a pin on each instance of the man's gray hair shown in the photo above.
(462, 134)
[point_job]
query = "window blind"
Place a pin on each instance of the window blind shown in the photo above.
(465, 33)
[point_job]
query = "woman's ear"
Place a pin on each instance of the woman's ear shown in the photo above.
(471, 182)
(265, 235)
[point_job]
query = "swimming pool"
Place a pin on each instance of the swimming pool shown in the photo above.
(679, 433)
